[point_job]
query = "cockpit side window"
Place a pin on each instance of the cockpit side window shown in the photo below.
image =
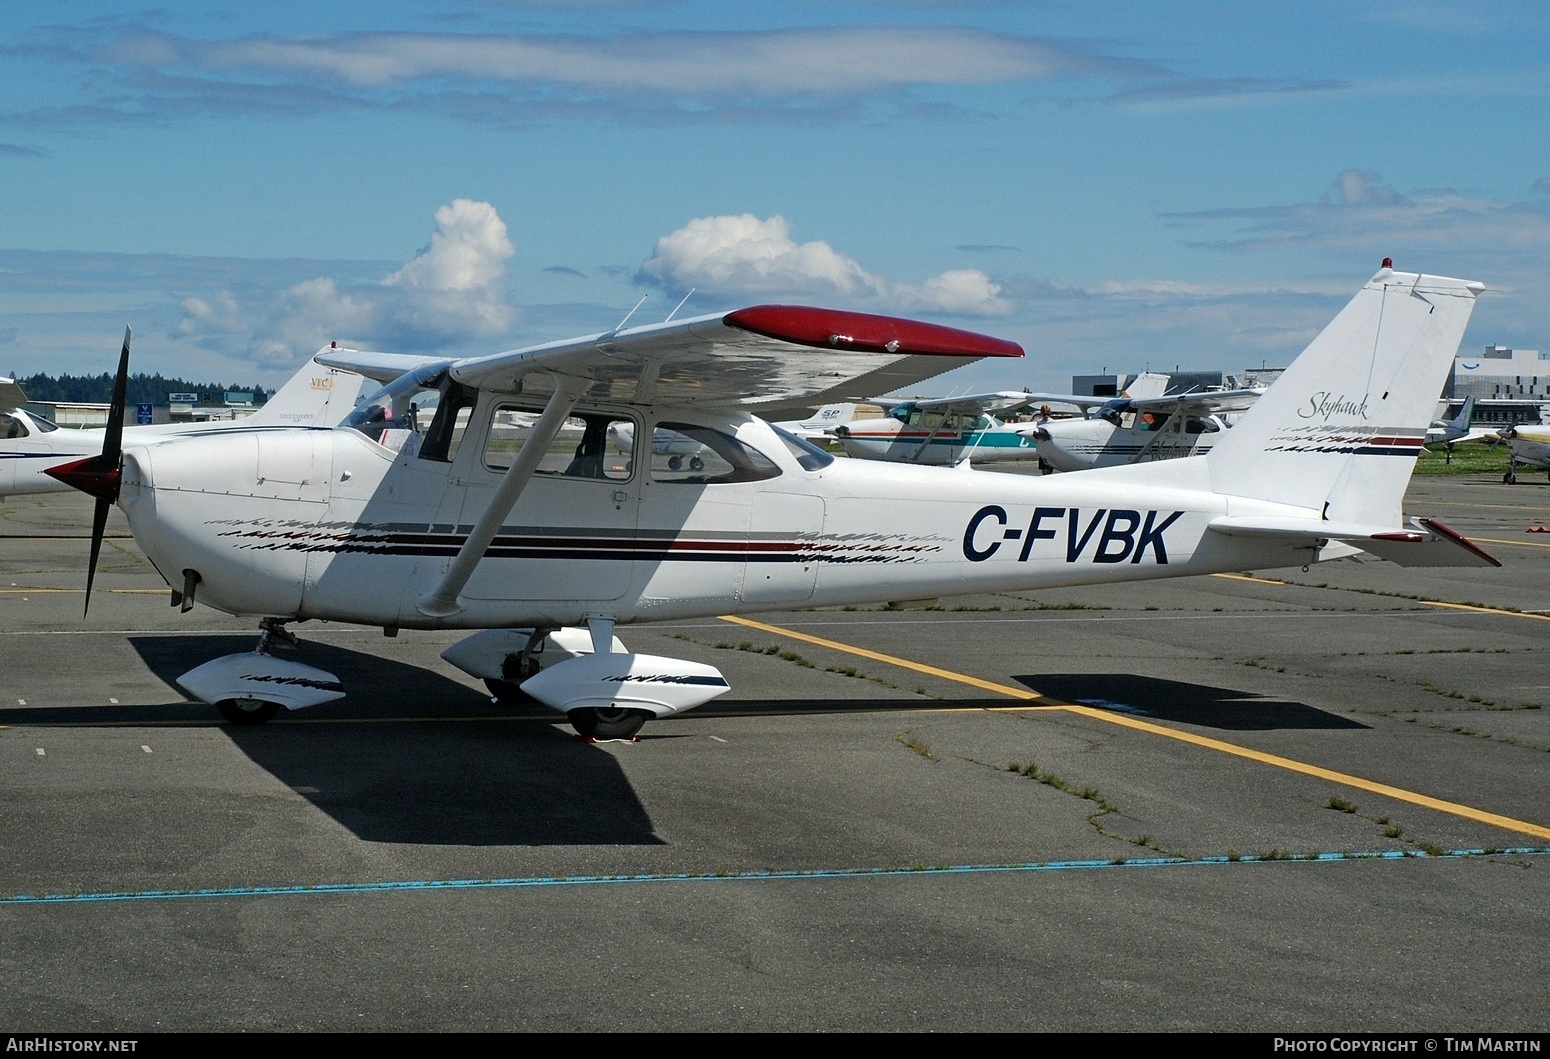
(12, 427)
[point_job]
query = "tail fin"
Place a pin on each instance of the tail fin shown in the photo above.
(316, 396)
(830, 415)
(1339, 431)
(1148, 384)
(1459, 424)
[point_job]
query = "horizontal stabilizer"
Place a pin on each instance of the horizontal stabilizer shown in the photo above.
(1425, 542)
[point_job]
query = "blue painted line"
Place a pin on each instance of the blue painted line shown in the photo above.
(750, 876)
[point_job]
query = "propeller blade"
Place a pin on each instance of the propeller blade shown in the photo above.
(99, 522)
(113, 437)
(98, 475)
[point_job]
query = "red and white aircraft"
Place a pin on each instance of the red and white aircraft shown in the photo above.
(451, 526)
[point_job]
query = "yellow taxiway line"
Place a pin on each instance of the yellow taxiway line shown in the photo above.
(1045, 702)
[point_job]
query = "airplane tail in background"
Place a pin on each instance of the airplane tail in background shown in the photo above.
(1339, 432)
(1148, 384)
(316, 396)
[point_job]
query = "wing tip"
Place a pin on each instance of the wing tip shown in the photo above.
(866, 332)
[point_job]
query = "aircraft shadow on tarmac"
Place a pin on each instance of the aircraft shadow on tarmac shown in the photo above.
(408, 756)
(1172, 700)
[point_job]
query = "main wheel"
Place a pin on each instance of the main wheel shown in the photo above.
(247, 711)
(505, 690)
(513, 672)
(613, 722)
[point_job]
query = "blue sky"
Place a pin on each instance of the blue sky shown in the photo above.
(1117, 186)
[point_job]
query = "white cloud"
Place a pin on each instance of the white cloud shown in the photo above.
(1359, 212)
(804, 61)
(744, 256)
(453, 291)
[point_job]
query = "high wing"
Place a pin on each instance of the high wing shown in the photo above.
(1147, 384)
(966, 404)
(1083, 403)
(1200, 402)
(763, 359)
(380, 367)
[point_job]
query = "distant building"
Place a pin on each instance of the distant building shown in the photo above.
(1508, 385)
(1178, 381)
(181, 408)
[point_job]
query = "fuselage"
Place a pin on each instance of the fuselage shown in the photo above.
(30, 443)
(334, 524)
(1081, 444)
(1530, 444)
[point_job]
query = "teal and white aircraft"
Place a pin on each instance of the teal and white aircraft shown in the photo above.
(940, 430)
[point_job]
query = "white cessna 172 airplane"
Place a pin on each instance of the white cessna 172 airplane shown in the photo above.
(1136, 427)
(316, 396)
(536, 546)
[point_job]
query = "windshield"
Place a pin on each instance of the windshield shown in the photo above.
(396, 415)
(808, 455)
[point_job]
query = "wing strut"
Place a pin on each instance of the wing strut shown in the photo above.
(443, 601)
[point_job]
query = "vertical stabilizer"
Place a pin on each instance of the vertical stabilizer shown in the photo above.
(1340, 430)
(316, 396)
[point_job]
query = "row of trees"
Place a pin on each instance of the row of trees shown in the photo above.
(142, 389)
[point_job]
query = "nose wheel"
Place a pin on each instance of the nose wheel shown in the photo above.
(247, 711)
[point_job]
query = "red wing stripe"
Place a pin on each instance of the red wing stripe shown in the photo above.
(837, 329)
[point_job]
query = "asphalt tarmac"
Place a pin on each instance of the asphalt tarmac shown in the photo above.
(1297, 801)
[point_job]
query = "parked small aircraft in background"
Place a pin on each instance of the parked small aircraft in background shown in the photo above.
(1528, 445)
(1457, 430)
(316, 396)
(1137, 427)
(679, 448)
(939, 430)
(444, 531)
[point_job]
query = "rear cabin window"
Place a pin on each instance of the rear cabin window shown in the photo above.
(695, 455)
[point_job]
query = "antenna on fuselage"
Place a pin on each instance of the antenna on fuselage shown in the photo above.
(680, 305)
